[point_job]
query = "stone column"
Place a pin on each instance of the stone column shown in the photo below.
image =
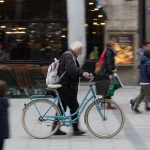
(147, 21)
(103, 2)
(76, 28)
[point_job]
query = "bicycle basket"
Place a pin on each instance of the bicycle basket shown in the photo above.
(102, 87)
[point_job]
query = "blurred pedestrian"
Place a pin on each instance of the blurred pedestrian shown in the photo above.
(107, 59)
(4, 125)
(145, 46)
(144, 80)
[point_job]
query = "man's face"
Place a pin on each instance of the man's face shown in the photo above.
(79, 52)
(147, 47)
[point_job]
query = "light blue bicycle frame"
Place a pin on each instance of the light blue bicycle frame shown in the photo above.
(63, 116)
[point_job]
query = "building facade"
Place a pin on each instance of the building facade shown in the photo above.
(122, 26)
(147, 19)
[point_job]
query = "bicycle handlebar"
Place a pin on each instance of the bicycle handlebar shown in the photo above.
(91, 77)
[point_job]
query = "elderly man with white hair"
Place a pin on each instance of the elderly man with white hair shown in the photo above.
(69, 90)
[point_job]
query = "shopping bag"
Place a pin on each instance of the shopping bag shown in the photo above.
(112, 89)
(117, 80)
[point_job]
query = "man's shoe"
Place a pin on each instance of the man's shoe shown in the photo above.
(136, 111)
(59, 132)
(147, 108)
(131, 103)
(79, 132)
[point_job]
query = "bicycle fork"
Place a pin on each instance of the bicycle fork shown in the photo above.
(100, 108)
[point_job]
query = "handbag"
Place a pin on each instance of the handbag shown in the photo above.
(97, 68)
(103, 72)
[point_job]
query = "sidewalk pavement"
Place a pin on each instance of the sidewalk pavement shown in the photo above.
(135, 134)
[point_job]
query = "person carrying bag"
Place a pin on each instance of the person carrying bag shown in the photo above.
(106, 70)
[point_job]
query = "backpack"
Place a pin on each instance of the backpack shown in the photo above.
(52, 76)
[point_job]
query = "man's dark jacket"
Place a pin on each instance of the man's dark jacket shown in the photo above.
(70, 80)
(4, 128)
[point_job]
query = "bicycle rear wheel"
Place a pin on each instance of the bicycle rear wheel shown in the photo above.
(34, 124)
(106, 127)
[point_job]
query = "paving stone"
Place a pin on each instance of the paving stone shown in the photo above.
(134, 136)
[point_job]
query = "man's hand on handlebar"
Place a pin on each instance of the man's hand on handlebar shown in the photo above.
(86, 75)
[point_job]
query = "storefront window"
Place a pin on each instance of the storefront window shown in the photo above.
(33, 9)
(37, 30)
(33, 29)
(33, 41)
(32, 34)
(95, 23)
(124, 47)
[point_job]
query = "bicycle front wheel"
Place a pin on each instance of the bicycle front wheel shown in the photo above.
(109, 124)
(35, 124)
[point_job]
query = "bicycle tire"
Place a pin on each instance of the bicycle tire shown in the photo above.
(31, 119)
(114, 126)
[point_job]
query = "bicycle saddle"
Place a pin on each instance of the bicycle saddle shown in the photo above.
(54, 86)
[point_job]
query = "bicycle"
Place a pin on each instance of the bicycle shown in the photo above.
(38, 116)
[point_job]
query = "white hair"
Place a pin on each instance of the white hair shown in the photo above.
(75, 46)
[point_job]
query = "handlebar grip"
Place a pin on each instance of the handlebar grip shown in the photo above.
(91, 76)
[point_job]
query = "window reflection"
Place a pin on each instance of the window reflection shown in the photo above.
(34, 41)
(37, 29)
(94, 31)
(33, 9)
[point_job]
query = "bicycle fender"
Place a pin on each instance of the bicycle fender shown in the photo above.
(25, 105)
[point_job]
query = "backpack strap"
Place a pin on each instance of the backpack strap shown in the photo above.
(74, 59)
(62, 75)
(72, 56)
